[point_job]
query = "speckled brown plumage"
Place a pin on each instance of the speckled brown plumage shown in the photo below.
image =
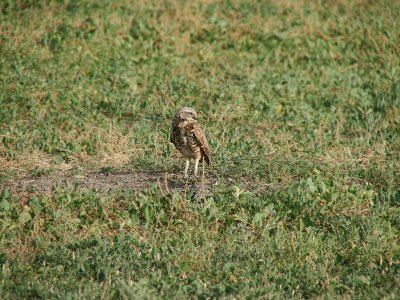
(188, 137)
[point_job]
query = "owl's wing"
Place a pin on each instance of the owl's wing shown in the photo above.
(202, 141)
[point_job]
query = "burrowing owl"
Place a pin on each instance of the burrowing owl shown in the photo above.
(188, 137)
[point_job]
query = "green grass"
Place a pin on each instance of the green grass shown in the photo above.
(301, 104)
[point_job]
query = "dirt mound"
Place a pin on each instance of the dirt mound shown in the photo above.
(101, 181)
(104, 181)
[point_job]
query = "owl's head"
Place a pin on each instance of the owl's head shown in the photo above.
(185, 114)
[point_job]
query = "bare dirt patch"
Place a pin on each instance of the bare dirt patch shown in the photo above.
(106, 181)
(101, 181)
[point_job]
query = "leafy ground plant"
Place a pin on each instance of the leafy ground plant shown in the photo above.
(301, 102)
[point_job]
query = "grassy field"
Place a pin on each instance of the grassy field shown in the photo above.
(300, 101)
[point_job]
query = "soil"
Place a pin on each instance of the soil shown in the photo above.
(104, 182)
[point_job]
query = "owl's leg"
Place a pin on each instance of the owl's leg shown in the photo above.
(187, 167)
(196, 166)
(203, 163)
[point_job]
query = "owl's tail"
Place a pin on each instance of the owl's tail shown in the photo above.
(207, 159)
